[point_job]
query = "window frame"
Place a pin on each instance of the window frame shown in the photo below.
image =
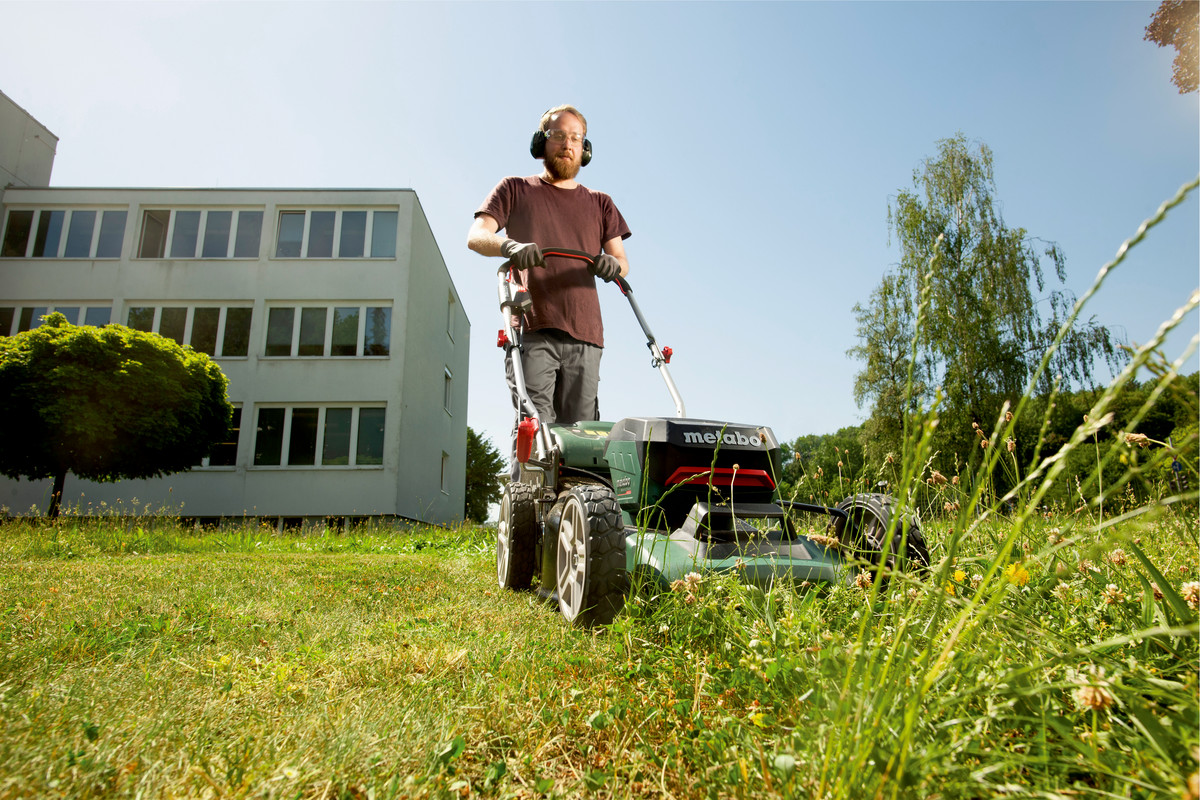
(202, 232)
(82, 307)
(318, 444)
(331, 308)
(66, 230)
(368, 243)
(190, 322)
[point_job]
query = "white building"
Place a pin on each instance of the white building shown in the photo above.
(331, 312)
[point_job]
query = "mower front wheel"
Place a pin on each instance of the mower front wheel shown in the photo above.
(591, 577)
(516, 536)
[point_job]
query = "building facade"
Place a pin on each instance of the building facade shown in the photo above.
(331, 312)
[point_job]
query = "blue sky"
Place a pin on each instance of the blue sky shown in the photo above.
(753, 148)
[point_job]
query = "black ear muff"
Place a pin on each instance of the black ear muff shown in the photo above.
(587, 153)
(537, 145)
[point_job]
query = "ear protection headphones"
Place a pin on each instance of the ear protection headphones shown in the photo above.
(537, 148)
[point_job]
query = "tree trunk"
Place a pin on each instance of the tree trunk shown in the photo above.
(60, 480)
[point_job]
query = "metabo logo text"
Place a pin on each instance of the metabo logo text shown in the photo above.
(728, 437)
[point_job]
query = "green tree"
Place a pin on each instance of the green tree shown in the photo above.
(886, 326)
(1176, 24)
(980, 334)
(484, 465)
(106, 404)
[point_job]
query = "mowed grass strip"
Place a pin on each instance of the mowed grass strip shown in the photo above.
(270, 673)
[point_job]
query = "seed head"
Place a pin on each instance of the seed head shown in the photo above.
(1140, 439)
(935, 478)
(1191, 593)
(1010, 443)
(1093, 693)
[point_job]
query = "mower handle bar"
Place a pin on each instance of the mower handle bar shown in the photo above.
(659, 361)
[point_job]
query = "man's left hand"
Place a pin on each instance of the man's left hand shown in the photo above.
(605, 266)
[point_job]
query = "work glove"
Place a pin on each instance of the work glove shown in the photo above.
(605, 266)
(523, 256)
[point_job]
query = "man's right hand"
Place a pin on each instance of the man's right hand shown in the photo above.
(523, 256)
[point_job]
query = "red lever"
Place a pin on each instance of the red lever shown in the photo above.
(666, 351)
(501, 338)
(526, 430)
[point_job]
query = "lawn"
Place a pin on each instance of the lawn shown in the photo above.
(1045, 657)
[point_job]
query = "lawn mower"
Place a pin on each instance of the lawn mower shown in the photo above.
(593, 508)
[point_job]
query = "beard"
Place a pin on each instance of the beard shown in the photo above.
(562, 167)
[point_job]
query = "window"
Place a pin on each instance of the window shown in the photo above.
(314, 234)
(64, 233)
(18, 319)
(200, 233)
(319, 436)
(450, 304)
(208, 329)
(224, 454)
(448, 392)
(445, 473)
(317, 331)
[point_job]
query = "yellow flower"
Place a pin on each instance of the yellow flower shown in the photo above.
(1017, 574)
(959, 576)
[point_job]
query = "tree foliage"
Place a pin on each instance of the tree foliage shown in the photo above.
(1176, 24)
(970, 292)
(484, 465)
(106, 404)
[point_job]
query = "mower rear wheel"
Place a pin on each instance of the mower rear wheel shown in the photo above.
(516, 536)
(591, 577)
(865, 532)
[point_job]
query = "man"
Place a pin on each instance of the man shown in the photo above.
(564, 336)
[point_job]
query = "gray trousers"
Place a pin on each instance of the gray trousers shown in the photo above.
(562, 376)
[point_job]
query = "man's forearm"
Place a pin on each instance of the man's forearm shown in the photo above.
(485, 242)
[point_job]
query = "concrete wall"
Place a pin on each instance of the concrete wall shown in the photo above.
(27, 147)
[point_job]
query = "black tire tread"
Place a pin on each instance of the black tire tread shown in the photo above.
(522, 536)
(866, 530)
(607, 578)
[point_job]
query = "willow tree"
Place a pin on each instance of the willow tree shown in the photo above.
(105, 404)
(981, 332)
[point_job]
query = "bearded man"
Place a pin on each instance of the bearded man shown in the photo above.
(564, 334)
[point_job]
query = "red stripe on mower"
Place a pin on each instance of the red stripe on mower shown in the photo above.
(722, 476)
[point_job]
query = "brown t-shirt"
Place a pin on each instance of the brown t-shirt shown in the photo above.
(564, 292)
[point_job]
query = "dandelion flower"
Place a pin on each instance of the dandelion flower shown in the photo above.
(1093, 693)
(1113, 595)
(1191, 593)
(959, 576)
(1015, 573)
